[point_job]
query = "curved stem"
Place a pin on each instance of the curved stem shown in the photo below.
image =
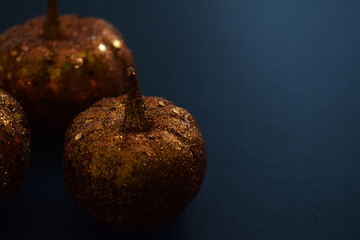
(137, 117)
(52, 28)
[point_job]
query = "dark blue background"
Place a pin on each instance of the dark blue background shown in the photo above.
(274, 86)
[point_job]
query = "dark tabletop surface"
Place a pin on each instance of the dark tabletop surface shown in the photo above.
(274, 86)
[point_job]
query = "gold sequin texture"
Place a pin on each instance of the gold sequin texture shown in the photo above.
(78, 136)
(56, 79)
(14, 147)
(116, 43)
(130, 178)
(176, 110)
(161, 103)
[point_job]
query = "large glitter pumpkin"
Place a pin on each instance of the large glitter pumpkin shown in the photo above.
(14, 147)
(134, 161)
(57, 67)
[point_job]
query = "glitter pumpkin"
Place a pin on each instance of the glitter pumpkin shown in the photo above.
(134, 161)
(56, 66)
(14, 147)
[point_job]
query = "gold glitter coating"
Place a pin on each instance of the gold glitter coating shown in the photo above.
(14, 147)
(134, 177)
(56, 78)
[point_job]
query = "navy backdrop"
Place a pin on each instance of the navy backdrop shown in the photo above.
(274, 86)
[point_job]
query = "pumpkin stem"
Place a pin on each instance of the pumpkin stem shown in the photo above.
(137, 117)
(52, 28)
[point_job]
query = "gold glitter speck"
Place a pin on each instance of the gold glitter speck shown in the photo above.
(79, 61)
(116, 44)
(176, 110)
(102, 47)
(88, 121)
(78, 136)
(161, 103)
(99, 127)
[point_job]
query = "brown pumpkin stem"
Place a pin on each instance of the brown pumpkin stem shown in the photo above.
(137, 117)
(52, 28)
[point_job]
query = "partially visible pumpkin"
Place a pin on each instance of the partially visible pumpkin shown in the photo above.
(14, 147)
(57, 67)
